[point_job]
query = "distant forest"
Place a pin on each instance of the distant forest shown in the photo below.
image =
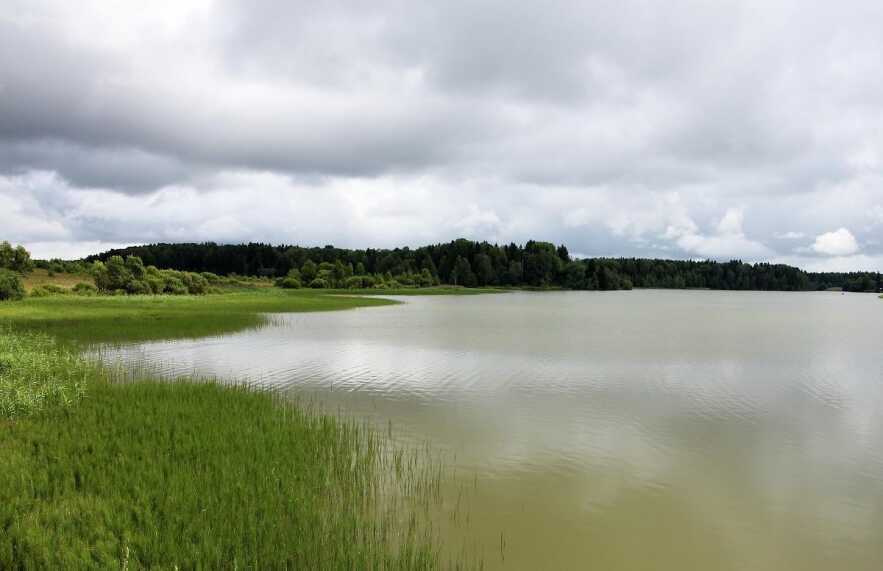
(474, 264)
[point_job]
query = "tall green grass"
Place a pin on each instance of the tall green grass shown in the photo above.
(36, 374)
(100, 472)
(196, 475)
(109, 319)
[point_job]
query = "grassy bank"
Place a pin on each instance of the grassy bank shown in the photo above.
(196, 475)
(103, 319)
(140, 318)
(188, 474)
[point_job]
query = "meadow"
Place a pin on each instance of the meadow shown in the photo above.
(107, 469)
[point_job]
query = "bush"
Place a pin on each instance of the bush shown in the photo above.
(318, 283)
(133, 277)
(47, 290)
(353, 282)
(290, 283)
(139, 287)
(175, 286)
(38, 292)
(195, 283)
(83, 288)
(212, 278)
(156, 283)
(10, 286)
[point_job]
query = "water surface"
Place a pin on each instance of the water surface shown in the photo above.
(612, 430)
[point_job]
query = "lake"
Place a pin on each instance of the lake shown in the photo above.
(610, 430)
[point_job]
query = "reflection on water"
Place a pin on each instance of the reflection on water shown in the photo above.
(613, 430)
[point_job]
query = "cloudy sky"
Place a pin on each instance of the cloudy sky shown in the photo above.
(687, 129)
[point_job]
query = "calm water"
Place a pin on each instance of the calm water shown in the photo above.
(613, 430)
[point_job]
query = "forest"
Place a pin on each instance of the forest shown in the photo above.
(481, 264)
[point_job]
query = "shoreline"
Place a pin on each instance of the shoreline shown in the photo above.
(109, 473)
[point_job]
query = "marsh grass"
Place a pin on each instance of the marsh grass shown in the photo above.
(107, 466)
(193, 474)
(125, 319)
(37, 374)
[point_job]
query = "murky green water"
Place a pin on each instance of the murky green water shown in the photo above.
(616, 430)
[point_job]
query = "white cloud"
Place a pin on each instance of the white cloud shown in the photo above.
(731, 223)
(728, 241)
(837, 243)
(853, 263)
(789, 235)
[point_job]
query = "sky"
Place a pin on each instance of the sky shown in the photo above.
(685, 129)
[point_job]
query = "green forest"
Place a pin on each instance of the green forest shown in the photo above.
(481, 264)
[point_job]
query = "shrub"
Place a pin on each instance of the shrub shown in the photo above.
(156, 283)
(47, 290)
(38, 292)
(83, 288)
(10, 286)
(175, 286)
(195, 283)
(139, 287)
(318, 283)
(290, 283)
(211, 278)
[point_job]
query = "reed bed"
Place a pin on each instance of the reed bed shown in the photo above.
(36, 374)
(99, 473)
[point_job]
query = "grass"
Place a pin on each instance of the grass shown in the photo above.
(35, 374)
(153, 475)
(121, 319)
(39, 277)
(101, 472)
(111, 319)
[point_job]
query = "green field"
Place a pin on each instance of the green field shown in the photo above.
(103, 319)
(110, 474)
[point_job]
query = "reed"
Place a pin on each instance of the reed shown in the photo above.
(194, 474)
(105, 467)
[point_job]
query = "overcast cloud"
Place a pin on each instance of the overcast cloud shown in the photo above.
(693, 129)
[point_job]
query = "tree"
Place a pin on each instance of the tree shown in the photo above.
(462, 273)
(484, 271)
(535, 263)
(428, 264)
(575, 276)
(309, 271)
(515, 273)
(135, 267)
(541, 263)
(15, 259)
(118, 274)
(11, 288)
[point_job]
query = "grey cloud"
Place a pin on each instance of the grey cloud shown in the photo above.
(582, 110)
(90, 167)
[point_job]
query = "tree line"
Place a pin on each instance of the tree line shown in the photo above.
(479, 264)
